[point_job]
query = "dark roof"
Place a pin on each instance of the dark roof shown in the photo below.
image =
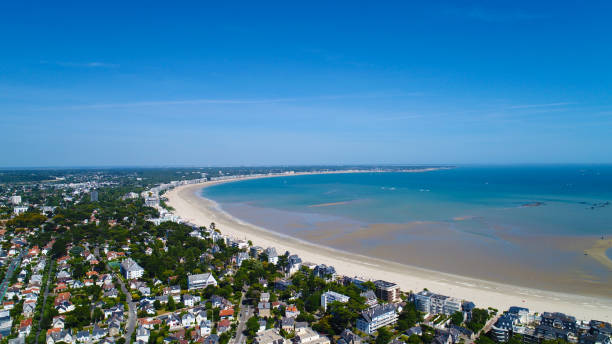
(376, 311)
(464, 331)
(559, 316)
(468, 306)
(517, 310)
(384, 284)
(505, 322)
(549, 332)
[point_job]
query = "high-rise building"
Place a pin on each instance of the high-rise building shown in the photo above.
(93, 196)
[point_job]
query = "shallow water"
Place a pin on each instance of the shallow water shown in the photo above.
(524, 225)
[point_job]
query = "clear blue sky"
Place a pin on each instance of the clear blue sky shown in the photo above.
(230, 83)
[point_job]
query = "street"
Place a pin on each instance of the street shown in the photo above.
(49, 280)
(9, 274)
(245, 314)
(131, 323)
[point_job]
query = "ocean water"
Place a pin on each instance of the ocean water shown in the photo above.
(531, 223)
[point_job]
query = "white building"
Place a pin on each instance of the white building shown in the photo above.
(240, 244)
(270, 336)
(15, 200)
(130, 269)
(431, 303)
(377, 317)
(331, 296)
(307, 335)
(272, 255)
(20, 210)
(142, 334)
(200, 281)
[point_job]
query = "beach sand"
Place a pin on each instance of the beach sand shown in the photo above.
(192, 207)
(598, 252)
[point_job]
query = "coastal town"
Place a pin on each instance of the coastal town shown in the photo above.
(100, 257)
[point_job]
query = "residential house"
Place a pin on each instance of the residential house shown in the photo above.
(98, 333)
(287, 324)
(325, 272)
(188, 320)
(205, 327)
(188, 300)
(83, 336)
(272, 255)
(226, 314)
(291, 311)
(29, 306)
(142, 334)
(114, 328)
(370, 298)
(348, 337)
(293, 264)
(59, 321)
(241, 257)
(25, 327)
(211, 339)
(60, 336)
(263, 309)
(223, 325)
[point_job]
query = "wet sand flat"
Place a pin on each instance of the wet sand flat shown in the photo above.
(382, 262)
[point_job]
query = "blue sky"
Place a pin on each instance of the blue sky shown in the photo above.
(255, 83)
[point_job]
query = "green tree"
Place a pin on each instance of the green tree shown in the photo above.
(457, 318)
(97, 315)
(516, 339)
(171, 306)
(341, 316)
(384, 336)
(369, 285)
(479, 319)
(252, 326)
(484, 340)
(59, 248)
(414, 339)
(408, 318)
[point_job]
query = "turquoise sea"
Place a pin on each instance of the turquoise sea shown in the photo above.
(528, 225)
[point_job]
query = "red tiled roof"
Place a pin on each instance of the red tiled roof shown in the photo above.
(226, 312)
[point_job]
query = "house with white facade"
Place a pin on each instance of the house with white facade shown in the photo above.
(130, 269)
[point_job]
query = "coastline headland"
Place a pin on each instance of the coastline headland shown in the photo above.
(192, 207)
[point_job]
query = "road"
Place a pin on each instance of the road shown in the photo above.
(245, 314)
(488, 326)
(9, 274)
(131, 323)
(49, 279)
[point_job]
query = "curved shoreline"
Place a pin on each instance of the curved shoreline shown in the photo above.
(192, 207)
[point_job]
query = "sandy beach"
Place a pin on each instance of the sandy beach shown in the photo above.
(192, 207)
